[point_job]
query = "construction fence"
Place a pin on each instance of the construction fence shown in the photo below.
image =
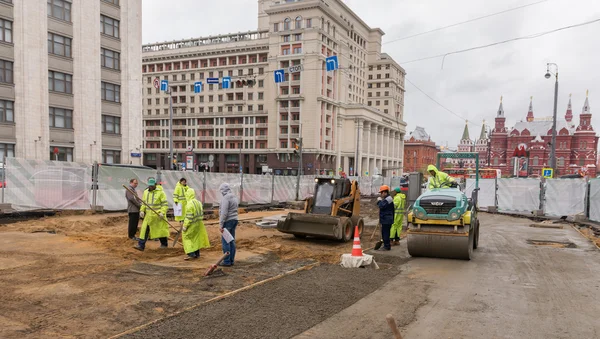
(35, 184)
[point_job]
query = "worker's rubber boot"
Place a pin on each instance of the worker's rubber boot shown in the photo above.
(139, 248)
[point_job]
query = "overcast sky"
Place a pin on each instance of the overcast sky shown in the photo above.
(471, 83)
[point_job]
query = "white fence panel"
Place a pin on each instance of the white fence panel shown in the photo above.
(487, 192)
(518, 195)
(214, 180)
(595, 200)
(285, 188)
(257, 189)
(111, 194)
(307, 186)
(37, 184)
(564, 197)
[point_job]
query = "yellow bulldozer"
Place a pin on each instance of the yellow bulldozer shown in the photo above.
(331, 213)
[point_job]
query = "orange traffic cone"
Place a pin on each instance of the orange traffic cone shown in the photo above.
(356, 249)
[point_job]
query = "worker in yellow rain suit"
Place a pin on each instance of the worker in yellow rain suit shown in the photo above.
(399, 202)
(155, 224)
(179, 198)
(439, 179)
(195, 236)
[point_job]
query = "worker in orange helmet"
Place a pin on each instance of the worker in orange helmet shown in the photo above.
(386, 215)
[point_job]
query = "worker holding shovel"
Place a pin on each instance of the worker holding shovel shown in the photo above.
(195, 236)
(155, 225)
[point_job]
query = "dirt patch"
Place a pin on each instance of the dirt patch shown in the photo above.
(549, 243)
(592, 234)
(77, 275)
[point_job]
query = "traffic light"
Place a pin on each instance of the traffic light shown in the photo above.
(241, 83)
(297, 146)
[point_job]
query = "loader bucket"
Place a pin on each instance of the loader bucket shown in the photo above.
(320, 226)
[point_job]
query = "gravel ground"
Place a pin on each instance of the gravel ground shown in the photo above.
(280, 309)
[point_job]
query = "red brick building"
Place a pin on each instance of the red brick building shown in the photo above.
(530, 140)
(419, 151)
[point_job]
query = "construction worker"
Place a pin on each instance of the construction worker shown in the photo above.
(228, 219)
(133, 209)
(194, 233)
(155, 224)
(439, 179)
(386, 215)
(399, 202)
(179, 198)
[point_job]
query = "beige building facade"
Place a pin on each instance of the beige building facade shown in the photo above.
(71, 83)
(354, 112)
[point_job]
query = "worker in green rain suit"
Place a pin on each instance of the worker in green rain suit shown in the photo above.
(399, 202)
(155, 224)
(195, 236)
(179, 198)
(439, 179)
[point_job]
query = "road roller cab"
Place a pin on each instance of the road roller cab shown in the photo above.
(442, 222)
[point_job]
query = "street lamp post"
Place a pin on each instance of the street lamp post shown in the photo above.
(553, 145)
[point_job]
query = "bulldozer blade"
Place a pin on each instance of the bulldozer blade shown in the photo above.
(321, 226)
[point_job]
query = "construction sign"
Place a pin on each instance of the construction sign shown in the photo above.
(547, 173)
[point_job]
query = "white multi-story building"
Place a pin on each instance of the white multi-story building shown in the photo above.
(355, 112)
(70, 81)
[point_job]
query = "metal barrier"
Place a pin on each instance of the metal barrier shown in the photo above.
(564, 197)
(34, 185)
(594, 200)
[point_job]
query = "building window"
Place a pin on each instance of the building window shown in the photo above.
(6, 111)
(109, 26)
(286, 24)
(111, 124)
(59, 45)
(111, 92)
(111, 157)
(260, 95)
(60, 9)
(114, 2)
(284, 144)
(298, 22)
(561, 162)
(536, 161)
(61, 118)
(110, 59)
(64, 153)
(261, 83)
(297, 50)
(276, 27)
(7, 150)
(308, 23)
(5, 30)
(60, 82)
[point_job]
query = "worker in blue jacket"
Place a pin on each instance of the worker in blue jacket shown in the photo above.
(386, 216)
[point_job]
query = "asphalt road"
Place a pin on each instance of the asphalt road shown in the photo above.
(510, 289)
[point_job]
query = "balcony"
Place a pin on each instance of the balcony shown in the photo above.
(262, 125)
(179, 127)
(233, 126)
(206, 137)
(233, 137)
(152, 128)
(284, 135)
(179, 137)
(283, 122)
(295, 135)
(290, 97)
(152, 138)
(261, 137)
(206, 126)
(294, 122)
(295, 109)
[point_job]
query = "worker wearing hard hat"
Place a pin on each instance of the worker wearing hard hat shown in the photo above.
(439, 179)
(399, 202)
(386, 215)
(155, 225)
(194, 232)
